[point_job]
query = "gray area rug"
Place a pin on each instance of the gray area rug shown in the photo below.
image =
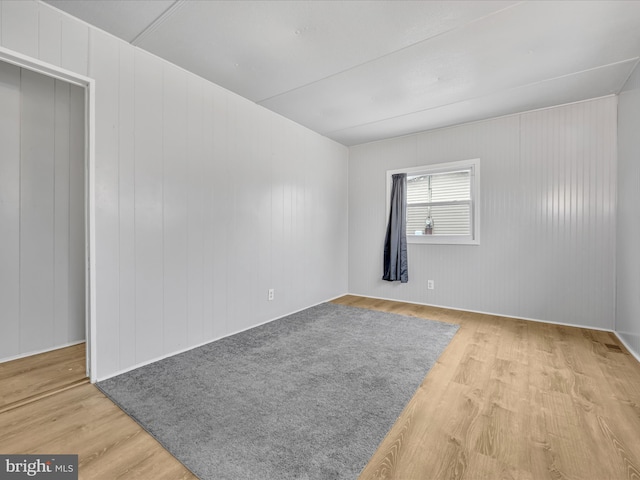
(308, 396)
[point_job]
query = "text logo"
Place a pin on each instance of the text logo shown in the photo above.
(49, 467)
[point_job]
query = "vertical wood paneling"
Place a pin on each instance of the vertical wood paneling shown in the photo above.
(37, 148)
(204, 200)
(235, 308)
(42, 129)
(259, 204)
(61, 41)
(302, 186)
(148, 206)
(61, 247)
(244, 274)
(628, 226)
(125, 349)
(547, 193)
(309, 191)
(50, 33)
(74, 46)
(176, 191)
(264, 220)
(10, 209)
(209, 228)
(104, 69)
(561, 144)
(235, 248)
(221, 215)
(20, 26)
(77, 238)
(195, 211)
(286, 176)
(304, 175)
(279, 254)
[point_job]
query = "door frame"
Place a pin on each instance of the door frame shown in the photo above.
(88, 84)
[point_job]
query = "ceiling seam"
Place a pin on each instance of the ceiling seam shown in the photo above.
(157, 22)
(636, 59)
(626, 80)
(394, 52)
(469, 122)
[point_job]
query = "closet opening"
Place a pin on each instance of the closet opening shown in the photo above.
(47, 220)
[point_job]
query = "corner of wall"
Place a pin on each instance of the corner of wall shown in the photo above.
(627, 316)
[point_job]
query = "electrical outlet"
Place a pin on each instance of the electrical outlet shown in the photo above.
(430, 285)
(272, 294)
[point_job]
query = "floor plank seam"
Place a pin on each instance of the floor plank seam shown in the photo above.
(34, 398)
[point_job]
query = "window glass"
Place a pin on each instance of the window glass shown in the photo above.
(442, 202)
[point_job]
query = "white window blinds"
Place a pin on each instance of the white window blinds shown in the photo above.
(439, 203)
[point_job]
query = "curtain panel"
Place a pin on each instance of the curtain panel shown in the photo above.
(395, 266)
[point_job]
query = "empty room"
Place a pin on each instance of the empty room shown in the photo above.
(312, 239)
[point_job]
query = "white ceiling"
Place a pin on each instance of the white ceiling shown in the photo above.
(360, 71)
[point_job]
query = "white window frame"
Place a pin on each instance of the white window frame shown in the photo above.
(474, 165)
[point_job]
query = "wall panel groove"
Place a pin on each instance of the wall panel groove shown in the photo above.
(547, 215)
(196, 188)
(41, 286)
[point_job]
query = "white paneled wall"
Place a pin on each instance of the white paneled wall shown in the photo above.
(548, 190)
(41, 213)
(628, 223)
(204, 200)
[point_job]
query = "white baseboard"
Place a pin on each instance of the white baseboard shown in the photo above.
(206, 342)
(486, 313)
(635, 354)
(37, 352)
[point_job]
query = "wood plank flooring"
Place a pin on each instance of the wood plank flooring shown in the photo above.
(512, 399)
(37, 376)
(82, 421)
(508, 399)
(48, 407)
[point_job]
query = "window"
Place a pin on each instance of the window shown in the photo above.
(442, 202)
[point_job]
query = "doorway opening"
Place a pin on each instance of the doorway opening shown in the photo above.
(47, 219)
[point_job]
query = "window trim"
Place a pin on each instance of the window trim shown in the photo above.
(474, 164)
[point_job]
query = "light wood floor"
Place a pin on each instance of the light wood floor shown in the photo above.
(511, 399)
(30, 378)
(508, 399)
(50, 408)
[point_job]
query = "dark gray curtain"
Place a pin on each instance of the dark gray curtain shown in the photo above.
(395, 242)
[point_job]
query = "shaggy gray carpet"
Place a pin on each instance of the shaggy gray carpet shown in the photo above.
(308, 396)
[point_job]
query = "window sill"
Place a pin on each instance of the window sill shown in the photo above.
(443, 239)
